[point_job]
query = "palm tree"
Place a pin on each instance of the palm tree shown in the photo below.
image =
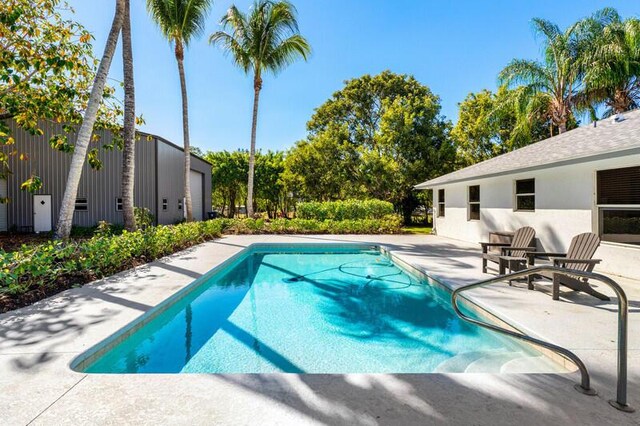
(65, 219)
(267, 39)
(180, 21)
(553, 82)
(129, 132)
(612, 65)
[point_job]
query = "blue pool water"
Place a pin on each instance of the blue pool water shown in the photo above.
(302, 310)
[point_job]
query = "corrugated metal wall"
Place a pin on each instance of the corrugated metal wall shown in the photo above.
(171, 181)
(101, 188)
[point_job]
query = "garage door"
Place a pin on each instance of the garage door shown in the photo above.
(196, 194)
(3, 206)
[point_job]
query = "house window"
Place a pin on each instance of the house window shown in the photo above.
(118, 204)
(473, 203)
(165, 204)
(180, 204)
(81, 205)
(440, 202)
(618, 203)
(526, 195)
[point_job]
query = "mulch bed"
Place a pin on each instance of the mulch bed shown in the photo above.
(12, 242)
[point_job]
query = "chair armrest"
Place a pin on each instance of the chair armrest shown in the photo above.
(531, 256)
(495, 244)
(485, 246)
(505, 250)
(566, 260)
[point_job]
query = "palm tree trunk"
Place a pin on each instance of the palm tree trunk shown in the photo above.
(562, 127)
(129, 151)
(185, 131)
(257, 85)
(65, 218)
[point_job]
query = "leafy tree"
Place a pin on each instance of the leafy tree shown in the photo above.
(322, 167)
(65, 218)
(612, 63)
(550, 86)
(129, 131)
(489, 125)
(269, 183)
(228, 176)
(375, 138)
(265, 40)
(46, 73)
(180, 21)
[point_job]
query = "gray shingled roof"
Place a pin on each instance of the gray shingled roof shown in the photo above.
(607, 139)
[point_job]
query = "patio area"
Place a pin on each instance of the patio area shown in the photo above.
(37, 344)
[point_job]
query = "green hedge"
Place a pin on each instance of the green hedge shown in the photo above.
(60, 263)
(344, 210)
(390, 224)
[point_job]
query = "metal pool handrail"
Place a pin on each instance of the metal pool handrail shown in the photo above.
(621, 400)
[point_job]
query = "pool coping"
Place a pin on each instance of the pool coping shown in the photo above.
(86, 358)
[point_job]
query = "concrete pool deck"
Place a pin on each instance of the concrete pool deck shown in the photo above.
(37, 344)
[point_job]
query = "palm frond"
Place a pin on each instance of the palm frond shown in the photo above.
(265, 39)
(179, 20)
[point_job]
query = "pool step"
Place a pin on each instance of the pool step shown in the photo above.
(496, 362)
(493, 362)
(459, 363)
(531, 364)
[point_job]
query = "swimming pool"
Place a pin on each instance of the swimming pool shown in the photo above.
(296, 308)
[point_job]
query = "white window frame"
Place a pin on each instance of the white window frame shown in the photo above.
(441, 203)
(469, 203)
(165, 204)
(527, 194)
(119, 204)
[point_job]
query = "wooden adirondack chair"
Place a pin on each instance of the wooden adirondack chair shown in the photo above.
(579, 257)
(520, 245)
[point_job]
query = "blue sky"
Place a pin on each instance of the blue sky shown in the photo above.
(454, 47)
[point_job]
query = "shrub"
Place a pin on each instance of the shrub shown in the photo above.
(57, 263)
(143, 217)
(344, 210)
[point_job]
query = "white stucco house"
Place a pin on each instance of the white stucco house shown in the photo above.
(585, 180)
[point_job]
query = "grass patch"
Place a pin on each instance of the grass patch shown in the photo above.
(418, 230)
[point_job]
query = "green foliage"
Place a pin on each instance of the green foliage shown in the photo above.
(611, 62)
(344, 210)
(46, 73)
(179, 20)
(389, 224)
(266, 39)
(54, 263)
(143, 217)
(489, 125)
(375, 138)
(229, 181)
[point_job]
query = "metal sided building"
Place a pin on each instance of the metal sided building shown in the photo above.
(159, 183)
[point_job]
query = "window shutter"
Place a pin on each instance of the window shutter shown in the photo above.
(619, 186)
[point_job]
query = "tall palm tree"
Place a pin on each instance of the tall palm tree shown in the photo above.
(554, 81)
(267, 39)
(65, 218)
(612, 65)
(129, 132)
(180, 21)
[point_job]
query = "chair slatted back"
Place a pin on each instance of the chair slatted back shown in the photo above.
(583, 246)
(523, 237)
